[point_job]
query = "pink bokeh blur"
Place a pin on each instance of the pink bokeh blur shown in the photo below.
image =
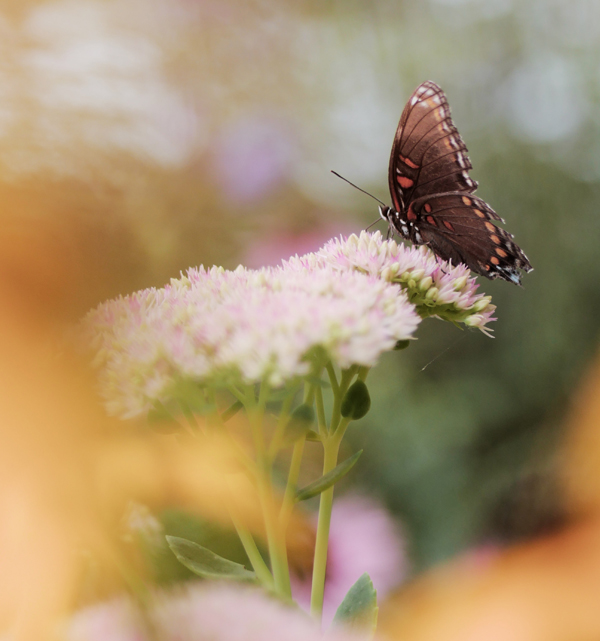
(363, 537)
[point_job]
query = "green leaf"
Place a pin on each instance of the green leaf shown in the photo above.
(206, 563)
(356, 402)
(329, 479)
(359, 608)
(231, 411)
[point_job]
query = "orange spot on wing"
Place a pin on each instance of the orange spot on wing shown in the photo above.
(408, 162)
(501, 252)
(494, 260)
(448, 225)
(490, 227)
(405, 182)
(466, 200)
(495, 239)
(410, 214)
(431, 221)
(427, 207)
(479, 213)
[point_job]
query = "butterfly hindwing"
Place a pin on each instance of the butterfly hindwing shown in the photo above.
(458, 226)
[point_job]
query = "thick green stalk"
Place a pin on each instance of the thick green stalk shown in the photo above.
(331, 448)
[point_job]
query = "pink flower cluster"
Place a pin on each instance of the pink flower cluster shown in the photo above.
(353, 300)
(201, 612)
(434, 286)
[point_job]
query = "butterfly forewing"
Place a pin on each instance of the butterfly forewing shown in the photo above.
(428, 155)
(432, 192)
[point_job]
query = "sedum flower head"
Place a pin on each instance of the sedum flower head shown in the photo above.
(249, 325)
(434, 286)
(351, 301)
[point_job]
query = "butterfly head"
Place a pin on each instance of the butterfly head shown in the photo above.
(385, 212)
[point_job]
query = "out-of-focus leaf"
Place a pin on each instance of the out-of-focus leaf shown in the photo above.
(356, 402)
(359, 608)
(329, 479)
(205, 563)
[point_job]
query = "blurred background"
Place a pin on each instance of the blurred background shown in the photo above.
(141, 138)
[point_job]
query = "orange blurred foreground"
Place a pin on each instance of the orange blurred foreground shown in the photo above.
(546, 590)
(67, 473)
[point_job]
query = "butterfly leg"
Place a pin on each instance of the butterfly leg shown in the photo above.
(440, 262)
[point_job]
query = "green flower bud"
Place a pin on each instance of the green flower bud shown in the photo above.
(460, 283)
(473, 321)
(417, 274)
(425, 283)
(432, 293)
(356, 402)
(481, 304)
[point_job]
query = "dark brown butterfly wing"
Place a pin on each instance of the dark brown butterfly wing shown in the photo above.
(428, 155)
(457, 227)
(432, 192)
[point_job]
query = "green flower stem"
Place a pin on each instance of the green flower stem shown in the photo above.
(331, 448)
(275, 537)
(292, 484)
(309, 393)
(363, 372)
(282, 422)
(236, 393)
(332, 377)
(321, 420)
(259, 566)
(295, 464)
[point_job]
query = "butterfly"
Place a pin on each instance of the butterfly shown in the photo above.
(432, 193)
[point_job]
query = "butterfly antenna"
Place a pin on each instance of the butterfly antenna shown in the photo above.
(359, 189)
